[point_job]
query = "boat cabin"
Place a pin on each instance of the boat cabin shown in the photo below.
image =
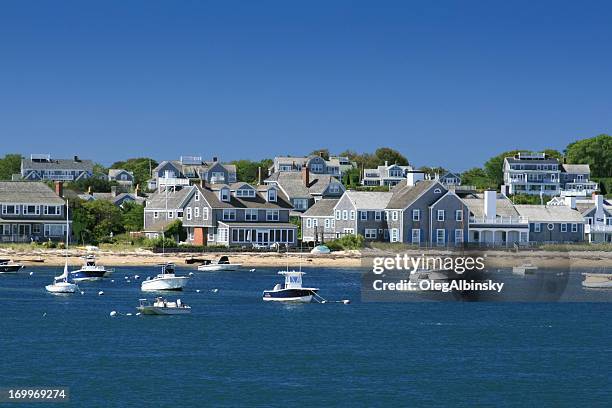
(293, 279)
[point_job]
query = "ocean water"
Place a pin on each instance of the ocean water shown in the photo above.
(235, 350)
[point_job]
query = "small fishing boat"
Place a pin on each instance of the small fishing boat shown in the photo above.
(8, 266)
(90, 271)
(61, 284)
(320, 250)
(166, 280)
(291, 290)
(597, 280)
(525, 269)
(223, 264)
(161, 306)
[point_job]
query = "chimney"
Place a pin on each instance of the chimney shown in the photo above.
(599, 209)
(570, 202)
(413, 177)
(114, 191)
(490, 204)
(386, 163)
(89, 190)
(215, 159)
(202, 183)
(59, 188)
(137, 190)
(259, 176)
(306, 176)
(76, 159)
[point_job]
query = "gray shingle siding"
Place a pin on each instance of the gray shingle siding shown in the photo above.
(555, 234)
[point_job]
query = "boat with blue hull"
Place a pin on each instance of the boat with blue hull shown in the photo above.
(291, 290)
(90, 271)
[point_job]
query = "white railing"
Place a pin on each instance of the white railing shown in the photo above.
(499, 220)
(59, 177)
(597, 228)
(172, 181)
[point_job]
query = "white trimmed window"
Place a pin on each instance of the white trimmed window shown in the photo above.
(537, 227)
(272, 215)
(394, 215)
(370, 233)
(441, 214)
(458, 236)
(188, 210)
(363, 215)
(170, 215)
(155, 214)
(196, 212)
(416, 215)
(224, 194)
(416, 236)
(250, 214)
(377, 216)
(440, 236)
(272, 195)
(459, 215)
(197, 196)
(204, 213)
(352, 215)
(327, 222)
(308, 222)
(563, 227)
(229, 214)
(394, 235)
(574, 227)
(345, 215)
(338, 214)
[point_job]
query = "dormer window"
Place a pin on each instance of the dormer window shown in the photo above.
(272, 195)
(224, 194)
(245, 192)
(197, 196)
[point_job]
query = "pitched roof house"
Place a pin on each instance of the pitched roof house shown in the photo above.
(180, 172)
(43, 167)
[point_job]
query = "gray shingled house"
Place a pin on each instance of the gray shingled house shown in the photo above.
(318, 222)
(31, 211)
(43, 167)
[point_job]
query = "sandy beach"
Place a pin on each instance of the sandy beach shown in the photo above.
(339, 259)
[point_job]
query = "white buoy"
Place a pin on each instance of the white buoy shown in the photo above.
(128, 281)
(252, 270)
(128, 314)
(125, 277)
(82, 293)
(346, 301)
(138, 314)
(44, 314)
(113, 313)
(190, 273)
(197, 290)
(215, 290)
(31, 273)
(136, 277)
(112, 281)
(100, 293)
(324, 301)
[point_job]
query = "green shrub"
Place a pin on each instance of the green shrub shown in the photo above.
(159, 243)
(346, 242)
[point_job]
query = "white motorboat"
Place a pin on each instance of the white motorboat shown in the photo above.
(525, 269)
(8, 266)
(435, 276)
(90, 271)
(223, 264)
(291, 290)
(166, 280)
(162, 306)
(597, 280)
(61, 284)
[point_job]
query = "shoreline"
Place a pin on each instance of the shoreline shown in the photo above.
(339, 259)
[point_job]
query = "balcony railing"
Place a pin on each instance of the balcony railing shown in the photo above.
(172, 181)
(499, 220)
(588, 228)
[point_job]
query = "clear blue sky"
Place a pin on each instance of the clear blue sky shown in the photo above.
(446, 83)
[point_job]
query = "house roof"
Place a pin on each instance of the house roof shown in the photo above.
(292, 184)
(503, 206)
(256, 224)
(66, 164)
(404, 195)
(369, 200)
(259, 201)
(322, 208)
(116, 172)
(159, 225)
(526, 160)
(576, 168)
(176, 198)
(549, 213)
(28, 192)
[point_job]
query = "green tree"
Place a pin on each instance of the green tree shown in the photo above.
(494, 167)
(324, 153)
(141, 167)
(595, 151)
(133, 216)
(478, 178)
(351, 178)
(248, 171)
(10, 164)
(176, 231)
(432, 171)
(391, 156)
(93, 221)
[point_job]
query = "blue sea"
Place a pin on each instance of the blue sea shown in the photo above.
(236, 350)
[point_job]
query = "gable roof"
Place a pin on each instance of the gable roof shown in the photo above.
(65, 164)
(404, 195)
(292, 184)
(28, 192)
(116, 172)
(176, 198)
(259, 201)
(369, 200)
(576, 168)
(503, 206)
(322, 208)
